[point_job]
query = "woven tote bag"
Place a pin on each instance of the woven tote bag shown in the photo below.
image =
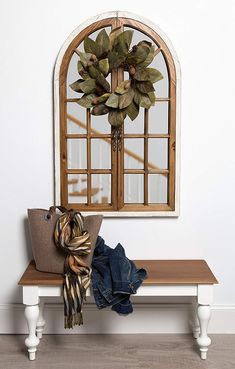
(48, 257)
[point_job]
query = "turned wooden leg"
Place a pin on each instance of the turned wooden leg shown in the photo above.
(204, 314)
(41, 322)
(32, 314)
(194, 319)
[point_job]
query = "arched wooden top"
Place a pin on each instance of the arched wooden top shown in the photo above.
(114, 22)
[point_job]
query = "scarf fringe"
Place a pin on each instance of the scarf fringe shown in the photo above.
(73, 320)
(77, 274)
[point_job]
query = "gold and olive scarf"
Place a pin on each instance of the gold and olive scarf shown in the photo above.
(71, 237)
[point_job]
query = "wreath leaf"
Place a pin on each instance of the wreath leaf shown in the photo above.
(142, 74)
(113, 35)
(100, 109)
(90, 46)
(86, 101)
(82, 71)
(123, 42)
(113, 101)
(104, 66)
(137, 56)
(126, 99)
(116, 117)
(96, 74)
(76, 86)
(154, 75)
(142, 100)
(101, 98)
(85, 58)
(123, 87)
(149, 58)
(132, 111)
(103, 41)
(88, 86)
(145, 87)
(152, 97)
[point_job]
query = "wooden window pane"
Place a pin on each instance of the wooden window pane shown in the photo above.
(157, 188)
(77, 153)
(76, 119)
(100, 188)
(100, 125)
(100, 153)
(77, 188)
(158, 118)
(133, 153)
(157, 153)
(133, 188)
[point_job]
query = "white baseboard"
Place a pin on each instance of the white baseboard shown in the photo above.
(146, 318)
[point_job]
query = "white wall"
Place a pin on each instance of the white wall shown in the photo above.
(203, 34)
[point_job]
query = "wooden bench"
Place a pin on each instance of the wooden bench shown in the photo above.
(165, 278)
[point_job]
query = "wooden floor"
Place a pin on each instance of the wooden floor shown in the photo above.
(117, 352)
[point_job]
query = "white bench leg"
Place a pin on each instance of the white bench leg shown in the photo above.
(204, 314)
(32, 314)
(41, 322)
(194, 322)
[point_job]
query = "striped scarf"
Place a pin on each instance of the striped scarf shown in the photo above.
(70, 236)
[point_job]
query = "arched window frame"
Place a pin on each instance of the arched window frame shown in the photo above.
(174, 140)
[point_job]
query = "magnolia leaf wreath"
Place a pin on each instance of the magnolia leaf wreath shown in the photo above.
(100, 58)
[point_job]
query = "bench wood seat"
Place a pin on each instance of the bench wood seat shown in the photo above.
(159, 272)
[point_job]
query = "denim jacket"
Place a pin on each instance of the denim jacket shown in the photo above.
(114, 277)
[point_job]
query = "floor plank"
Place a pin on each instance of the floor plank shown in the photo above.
(152, 351)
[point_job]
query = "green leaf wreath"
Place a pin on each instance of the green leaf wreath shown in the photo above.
(100, 58)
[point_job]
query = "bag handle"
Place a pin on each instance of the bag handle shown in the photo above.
(52, 210)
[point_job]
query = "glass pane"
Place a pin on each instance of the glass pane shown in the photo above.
(157, 188)
(77, 188)
(136, 126)
(158, 153)
(162, 86)
(100, 125)
(100, 153)
(101, 188)
(133, 188)
(76, 119)
(77, 153)
(73, 76)
(138, 36)
(133, 153)
(158, 118)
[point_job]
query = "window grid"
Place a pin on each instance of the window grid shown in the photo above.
(147, 171)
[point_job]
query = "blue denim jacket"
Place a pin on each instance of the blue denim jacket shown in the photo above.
(114, 277)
